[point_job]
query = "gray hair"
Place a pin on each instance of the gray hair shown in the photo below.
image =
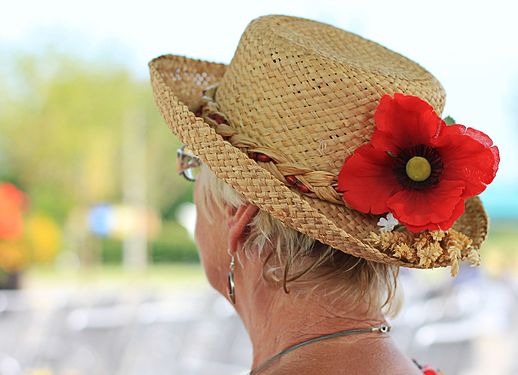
(291, 257)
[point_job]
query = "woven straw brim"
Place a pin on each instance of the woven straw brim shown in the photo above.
(178, 83)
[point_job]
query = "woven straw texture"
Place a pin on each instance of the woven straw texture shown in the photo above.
(304, 94)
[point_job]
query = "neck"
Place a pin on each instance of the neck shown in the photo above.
(276, 320)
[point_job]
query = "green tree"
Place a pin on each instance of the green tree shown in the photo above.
(62, 123)
(69, 130)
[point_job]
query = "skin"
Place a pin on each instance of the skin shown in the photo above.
(276, 320)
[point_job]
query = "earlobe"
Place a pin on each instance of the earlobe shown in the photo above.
(237, 221)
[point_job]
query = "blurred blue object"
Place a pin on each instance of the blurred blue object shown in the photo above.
(100, 219)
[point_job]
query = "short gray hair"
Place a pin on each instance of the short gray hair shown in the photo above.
(291, 257)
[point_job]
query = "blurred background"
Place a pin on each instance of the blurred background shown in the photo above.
(98, 270)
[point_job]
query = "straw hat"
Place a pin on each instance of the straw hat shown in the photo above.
(278, 122)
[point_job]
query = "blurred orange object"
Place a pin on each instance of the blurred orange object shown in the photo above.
(12, 204)
(13, 256)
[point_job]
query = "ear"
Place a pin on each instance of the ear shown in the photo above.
(237, 220)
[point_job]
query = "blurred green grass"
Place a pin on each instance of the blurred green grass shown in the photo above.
(155, 276)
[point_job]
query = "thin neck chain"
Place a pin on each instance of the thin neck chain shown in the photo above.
(381, 328)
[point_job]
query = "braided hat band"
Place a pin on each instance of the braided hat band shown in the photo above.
(278, 122)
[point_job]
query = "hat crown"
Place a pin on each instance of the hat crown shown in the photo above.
(310, 90)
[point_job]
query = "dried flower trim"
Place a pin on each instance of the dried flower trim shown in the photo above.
(427, 249)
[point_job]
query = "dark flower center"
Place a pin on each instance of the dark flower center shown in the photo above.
(418, 167)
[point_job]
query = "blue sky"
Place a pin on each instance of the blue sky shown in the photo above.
(467, 45)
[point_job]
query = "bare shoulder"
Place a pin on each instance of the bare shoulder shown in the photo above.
(366, 357)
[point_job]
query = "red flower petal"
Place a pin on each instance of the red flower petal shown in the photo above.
(436, 206)
(367, 180)
(404, 121)
(468, 155)
(447, 224)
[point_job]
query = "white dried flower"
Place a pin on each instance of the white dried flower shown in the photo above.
(387, 224)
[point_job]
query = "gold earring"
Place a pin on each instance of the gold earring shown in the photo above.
(231, 289)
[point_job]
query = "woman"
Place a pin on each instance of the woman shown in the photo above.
(324, 167)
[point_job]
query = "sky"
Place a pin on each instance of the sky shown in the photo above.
(467, 45)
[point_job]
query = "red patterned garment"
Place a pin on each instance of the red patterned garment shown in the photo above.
(427, 370)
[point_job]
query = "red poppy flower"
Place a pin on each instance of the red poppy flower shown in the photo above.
(416, 166)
